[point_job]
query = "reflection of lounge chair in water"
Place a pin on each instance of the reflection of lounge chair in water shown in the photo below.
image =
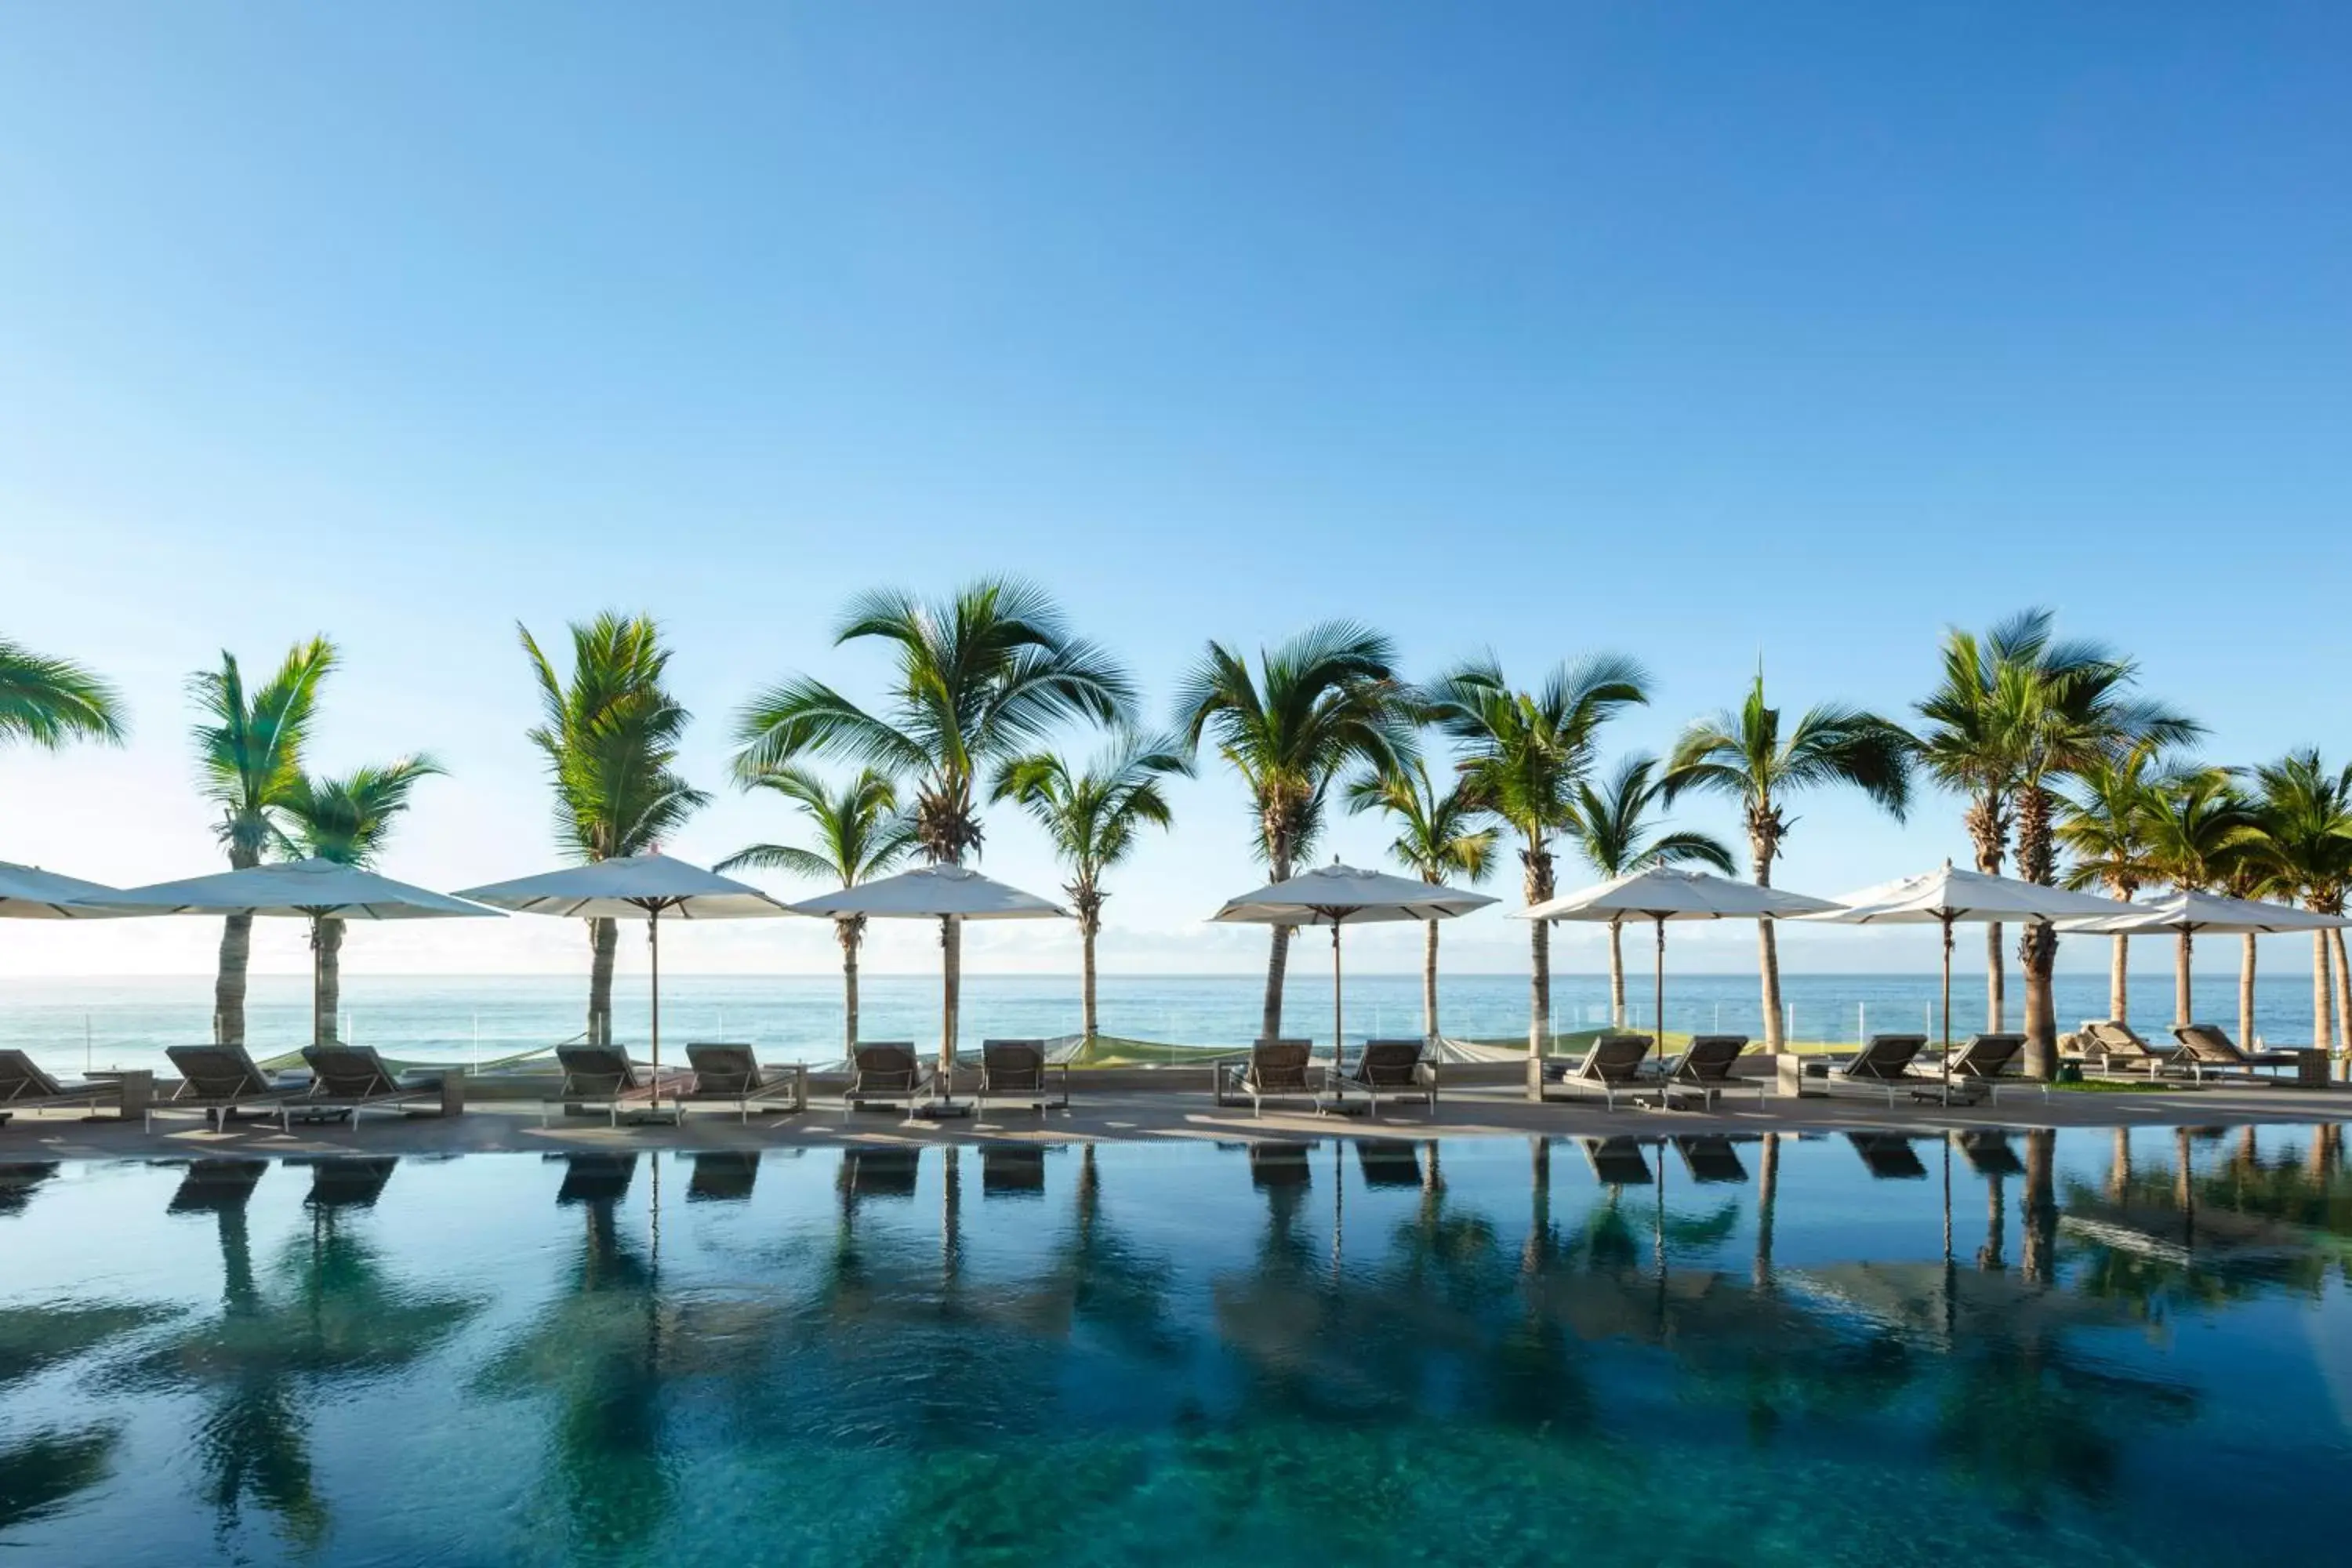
(595, 1178)
(18, 1180)
(1618, 1162)
(353, 1181)
(1012, 1169)
(1389, 1163)
(881, 1172)
(1988, 1153)
(1711, 1157)
(1275, 1167)
(1889, 1156)
(724, 1176)
(211, 1186)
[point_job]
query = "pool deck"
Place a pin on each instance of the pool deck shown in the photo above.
(1134, 1115)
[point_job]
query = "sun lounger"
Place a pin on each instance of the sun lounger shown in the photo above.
(604, 1077)
(1705, 1068)
(1394, 1068)
(1976, 1068)
(25, 1086)
(886, 1072)
(348, 1079)
(1017, 1070)
(1012, 1171)
(730, 1075)
(2207, 1051)
(1618, 1162)
(1276, 1070)
(1884, 1066)
(2110, 1045)
(724, 1176)
(218, 1081)
(1889, 1156)
(1711, 1158)
(1612, 1070)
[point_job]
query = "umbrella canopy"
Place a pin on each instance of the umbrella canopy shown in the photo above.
(1661, 894)
(1337, 895)
(2193, 912)
(317, 889)
(934, 892)
(652, 885)
(29, 893)
(947, 894)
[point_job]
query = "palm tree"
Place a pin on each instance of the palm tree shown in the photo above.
(860, 833)
(2304, 815)
(48, 702)
(2069, 710)
(1320, 703)
(1094, 817)
(2199, 828)
(1743, 756)
(1613, 832)
(2102, 824)
(249, 758)
(1438, 836)
(1524, 754)
(610, 731)
(345, 820)
(981, 677)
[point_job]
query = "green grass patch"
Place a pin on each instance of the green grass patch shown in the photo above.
(2122, 1086)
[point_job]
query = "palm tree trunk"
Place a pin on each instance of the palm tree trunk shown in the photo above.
(235, 954)
(1277, 958)
(2183, 951)
(1538, 887)
(2038, 950)
(1617, 975)
(2343, 992)
(1428, 983)
(951, 998)
(2246, 989)
(1988, 824)
(850, 932)
(603, 942)
(1996, 980)
(327, 980)
(1762, 848)
(2119, 980)
(1088, 927)
(2323, 992)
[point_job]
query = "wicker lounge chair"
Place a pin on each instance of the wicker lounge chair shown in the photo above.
(25, 1086)
(1392, 1067)
(1276, 1070)
(1884, 1066)
(886, 1072)
(728, 1074)
(218, 1081)
(1017, 1070)
(2111, 1046)
(2207, 1051)
(604, 1077)
(1705, 1068)
(1977, 1068)
(348, 1079)
(1612, 1070)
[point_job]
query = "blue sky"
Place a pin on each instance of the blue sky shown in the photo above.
(1693, 332)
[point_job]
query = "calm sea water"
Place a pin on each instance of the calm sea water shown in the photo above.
(127, 1022)
(2082, 1348)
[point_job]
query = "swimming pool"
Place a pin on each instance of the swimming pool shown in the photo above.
(2081, 1347)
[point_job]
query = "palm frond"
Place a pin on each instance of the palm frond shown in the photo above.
(48, 702)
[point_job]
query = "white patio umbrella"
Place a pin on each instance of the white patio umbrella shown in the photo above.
(652, 885)
(2186, 913)
(1337, 895)
(1951, 895)
(1662, 894)
(314, 889)
(29, 893)
(947, 894)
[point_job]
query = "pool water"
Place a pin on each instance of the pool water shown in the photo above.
(2081, 1347)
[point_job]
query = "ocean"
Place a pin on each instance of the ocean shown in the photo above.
(126, 1022)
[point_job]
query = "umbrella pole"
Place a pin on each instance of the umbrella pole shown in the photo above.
(1659, 980)
(652, 941)
(1338, 1012)
(1947, 1011)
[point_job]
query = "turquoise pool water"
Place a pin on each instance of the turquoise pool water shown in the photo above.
(2086, 1348)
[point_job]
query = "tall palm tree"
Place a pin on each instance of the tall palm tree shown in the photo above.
(2304, 815)
(1094, 816)
(2199, 828)
(1439, 835)
(2070, 709)
(1614, 833)
(982, 677)
(1524, 755)
(1745, 757)
(610, 731)
(249, 763)
(860, 833)
(1318, 705)
(2103, 825)
(50, 702)
(345, 820)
